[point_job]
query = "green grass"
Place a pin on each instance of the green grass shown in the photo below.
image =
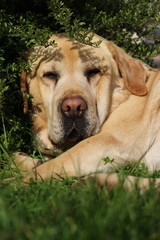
(60, 210)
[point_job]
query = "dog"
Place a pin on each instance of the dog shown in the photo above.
(90, 103)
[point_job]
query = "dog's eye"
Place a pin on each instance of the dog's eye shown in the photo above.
(92, 72)
(51, 75)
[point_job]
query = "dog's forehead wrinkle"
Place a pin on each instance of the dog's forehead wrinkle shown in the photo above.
(93, 59)
(46, 52)
(56, 55)
(86, 53)
(45, 55)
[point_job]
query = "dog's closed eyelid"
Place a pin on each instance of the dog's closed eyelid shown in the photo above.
(92, 72)
(51, 75)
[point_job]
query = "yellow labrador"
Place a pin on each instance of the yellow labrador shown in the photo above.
(92, 103)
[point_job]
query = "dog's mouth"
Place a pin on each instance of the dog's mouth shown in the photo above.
(71, 137)
(74, 135)
(75, 130)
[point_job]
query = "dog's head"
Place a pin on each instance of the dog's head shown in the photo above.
(72, 86)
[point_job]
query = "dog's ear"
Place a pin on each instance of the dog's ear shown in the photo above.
(131, 70)
(24, 90)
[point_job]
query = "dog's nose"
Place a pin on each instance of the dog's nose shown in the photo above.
(73, 106)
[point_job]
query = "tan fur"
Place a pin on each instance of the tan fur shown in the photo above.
(122, 113)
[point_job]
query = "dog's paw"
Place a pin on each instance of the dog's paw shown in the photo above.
(23, 162)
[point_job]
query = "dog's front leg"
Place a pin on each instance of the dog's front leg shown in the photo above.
(83, 159)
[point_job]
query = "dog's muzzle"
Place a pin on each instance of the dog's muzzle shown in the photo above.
(73, 116)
